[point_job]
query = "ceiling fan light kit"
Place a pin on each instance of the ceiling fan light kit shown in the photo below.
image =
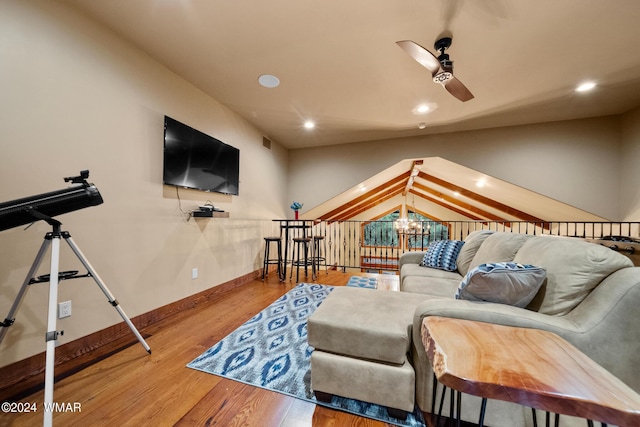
(443, 77)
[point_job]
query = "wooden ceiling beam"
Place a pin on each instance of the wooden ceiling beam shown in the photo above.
(447, 206)
(392, 192)
(368, 195)
(406, 183)
(481, 199)
(415, 170)
(456, 202)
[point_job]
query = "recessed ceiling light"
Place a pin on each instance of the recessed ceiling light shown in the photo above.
(480, 183)
(267, 80)
(422, 125)
(309, 124)
(585, 87)
(423, 108)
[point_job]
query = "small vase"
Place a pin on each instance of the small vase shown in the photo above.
(296, 213)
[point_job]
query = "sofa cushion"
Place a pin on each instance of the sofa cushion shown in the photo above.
(574, 267)
(444, 287)
(364, 323)
(442, 254)
(418, 270)
(471, 244)
(504, 282)
(499, 247)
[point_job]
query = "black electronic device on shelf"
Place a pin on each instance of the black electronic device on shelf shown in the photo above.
(209, 211)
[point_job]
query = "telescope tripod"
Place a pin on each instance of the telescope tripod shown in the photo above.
(53, 239)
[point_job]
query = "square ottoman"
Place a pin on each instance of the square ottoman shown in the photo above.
(361, 338)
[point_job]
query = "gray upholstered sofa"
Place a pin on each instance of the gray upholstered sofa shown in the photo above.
(368, 346)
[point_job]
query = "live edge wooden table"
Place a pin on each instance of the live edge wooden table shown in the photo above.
(530, 367)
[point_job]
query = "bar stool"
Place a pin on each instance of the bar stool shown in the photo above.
(319, 256)
(267, 260)
(298, 244)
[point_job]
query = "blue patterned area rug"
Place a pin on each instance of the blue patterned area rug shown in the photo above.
(363, 282)
(270, 351)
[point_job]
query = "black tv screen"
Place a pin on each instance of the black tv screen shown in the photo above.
(195, 160)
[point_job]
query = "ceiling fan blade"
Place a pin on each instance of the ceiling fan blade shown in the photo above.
(420, 54)
(457, 89)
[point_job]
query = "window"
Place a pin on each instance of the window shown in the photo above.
(422, 231)
(381, 232)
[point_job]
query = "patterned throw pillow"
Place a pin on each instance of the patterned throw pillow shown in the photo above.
(442, 254)
(502, 282)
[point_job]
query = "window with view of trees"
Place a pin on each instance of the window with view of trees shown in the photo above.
(383, 231)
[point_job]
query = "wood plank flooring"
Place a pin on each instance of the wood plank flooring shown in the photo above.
(133, 388)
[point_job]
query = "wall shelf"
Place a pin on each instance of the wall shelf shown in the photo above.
(210, 214)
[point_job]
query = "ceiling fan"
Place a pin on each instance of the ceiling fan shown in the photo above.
(440, 66)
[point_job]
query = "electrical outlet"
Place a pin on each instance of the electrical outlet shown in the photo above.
(194, 273)
(64, 309)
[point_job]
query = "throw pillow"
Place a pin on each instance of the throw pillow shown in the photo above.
(499, 247)
(442, 254)
(574, 268)
(471, 244)
(502, 282)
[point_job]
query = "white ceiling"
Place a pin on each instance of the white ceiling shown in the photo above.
(339, 65)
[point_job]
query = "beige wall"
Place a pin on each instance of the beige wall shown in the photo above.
(576, 162)
(630, 166)
(74, 97)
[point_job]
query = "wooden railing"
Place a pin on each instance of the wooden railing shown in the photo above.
(376, 246)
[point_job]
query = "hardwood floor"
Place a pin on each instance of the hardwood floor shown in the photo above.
(135, 388)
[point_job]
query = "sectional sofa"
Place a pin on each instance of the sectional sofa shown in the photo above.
(368, 345)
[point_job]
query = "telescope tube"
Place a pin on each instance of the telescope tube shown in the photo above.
(17, 212)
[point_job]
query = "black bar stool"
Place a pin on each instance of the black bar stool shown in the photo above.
(267, 260)
(300, 243)
(319, 253)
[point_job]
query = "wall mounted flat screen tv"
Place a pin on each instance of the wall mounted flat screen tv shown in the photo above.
(195, 160)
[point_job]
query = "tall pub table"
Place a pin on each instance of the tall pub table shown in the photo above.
(295, 228)
(531, 367)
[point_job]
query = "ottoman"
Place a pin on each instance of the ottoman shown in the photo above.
(361, 338)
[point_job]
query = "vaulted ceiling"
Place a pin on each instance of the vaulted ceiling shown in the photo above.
(437, 184)
(339, 65)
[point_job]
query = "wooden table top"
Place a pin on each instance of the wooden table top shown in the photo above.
(385, 282)
(531, 367)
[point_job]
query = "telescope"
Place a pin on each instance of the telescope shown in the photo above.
(45, 206)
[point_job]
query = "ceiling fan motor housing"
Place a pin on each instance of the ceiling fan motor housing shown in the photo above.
(447, 65)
